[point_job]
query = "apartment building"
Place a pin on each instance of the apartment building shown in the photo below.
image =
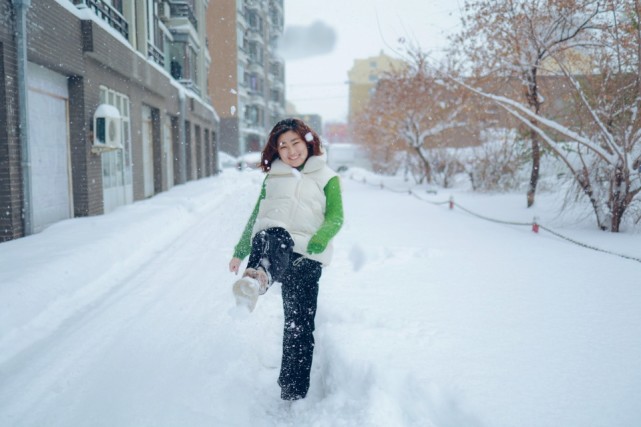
(102, 103)
(247, 80)
(363, 77)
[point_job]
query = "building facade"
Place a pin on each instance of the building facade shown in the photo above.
(115, 106)
(247, 81)
(363, 77)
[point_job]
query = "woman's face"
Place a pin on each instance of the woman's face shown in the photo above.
(292, 149)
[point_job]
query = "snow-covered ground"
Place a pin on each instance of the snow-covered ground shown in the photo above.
(427, 317)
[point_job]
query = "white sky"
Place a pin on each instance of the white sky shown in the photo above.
(363, 28)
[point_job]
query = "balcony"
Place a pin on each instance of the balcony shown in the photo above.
(256, 96)
(190, 84)
(277, 24)
(107, 13)
(255, 35)
(278, 3)
(252, 4)
(183, 9)
(255, 65)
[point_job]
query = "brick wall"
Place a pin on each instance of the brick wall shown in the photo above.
(54, 38)
(10, 170)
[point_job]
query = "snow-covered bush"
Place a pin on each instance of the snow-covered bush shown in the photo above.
(446, 164)
(498, 163)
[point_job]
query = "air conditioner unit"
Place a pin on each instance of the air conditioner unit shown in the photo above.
(107, 129)
(164, 11)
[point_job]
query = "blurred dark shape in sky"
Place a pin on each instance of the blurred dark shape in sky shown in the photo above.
(301, 42)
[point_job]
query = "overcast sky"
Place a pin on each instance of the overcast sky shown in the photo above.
(326, 36)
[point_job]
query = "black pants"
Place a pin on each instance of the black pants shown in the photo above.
(272, 251)
(300, 294)
(299, 278)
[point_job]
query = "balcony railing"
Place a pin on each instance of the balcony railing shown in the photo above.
(106, 12)
(184, 9)
(155, 54)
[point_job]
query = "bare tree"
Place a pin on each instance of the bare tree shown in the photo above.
(514, 38)
(410, 112)
(602, 150)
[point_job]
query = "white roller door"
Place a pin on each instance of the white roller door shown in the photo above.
(49, 147)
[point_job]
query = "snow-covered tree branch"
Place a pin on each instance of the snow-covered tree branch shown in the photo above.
(516, 37)
(601, 142)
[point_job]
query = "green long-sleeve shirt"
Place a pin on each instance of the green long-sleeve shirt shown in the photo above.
(331, 225)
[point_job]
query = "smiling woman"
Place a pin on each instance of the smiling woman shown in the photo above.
(291, 149)
(288, 239)
(296, 140)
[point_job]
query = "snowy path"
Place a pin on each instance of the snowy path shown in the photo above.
(426, 317)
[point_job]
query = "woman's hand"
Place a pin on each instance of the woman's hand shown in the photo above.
(234, 264)
(316, 245)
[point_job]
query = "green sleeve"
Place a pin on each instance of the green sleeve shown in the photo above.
(333, 217)
(243, 248)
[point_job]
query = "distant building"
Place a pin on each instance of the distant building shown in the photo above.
(336, 132)
(247, 81)
(313, 120)
(364, 75)
(290, 108)
(103, 105)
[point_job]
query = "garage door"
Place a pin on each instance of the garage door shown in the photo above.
(49, 147)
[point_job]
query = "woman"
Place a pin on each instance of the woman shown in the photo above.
(288, 240)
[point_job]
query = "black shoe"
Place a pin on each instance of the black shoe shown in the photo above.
(290, 396)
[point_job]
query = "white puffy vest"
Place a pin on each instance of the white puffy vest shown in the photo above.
(295, 200)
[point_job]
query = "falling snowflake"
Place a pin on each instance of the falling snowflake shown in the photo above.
(309, 137)
(232, 90)
(233, 110)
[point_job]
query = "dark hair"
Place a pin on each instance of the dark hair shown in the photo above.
(270, 152)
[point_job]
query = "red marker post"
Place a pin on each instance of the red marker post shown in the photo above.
(535, 225)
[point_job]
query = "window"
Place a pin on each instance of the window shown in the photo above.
(255, 83)
(116, 4)
(275, 96)
(183, 62)
(255, 52)
(116, 165)
(275, 68)
(255, 22)
(254, 115)
(155, 37)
